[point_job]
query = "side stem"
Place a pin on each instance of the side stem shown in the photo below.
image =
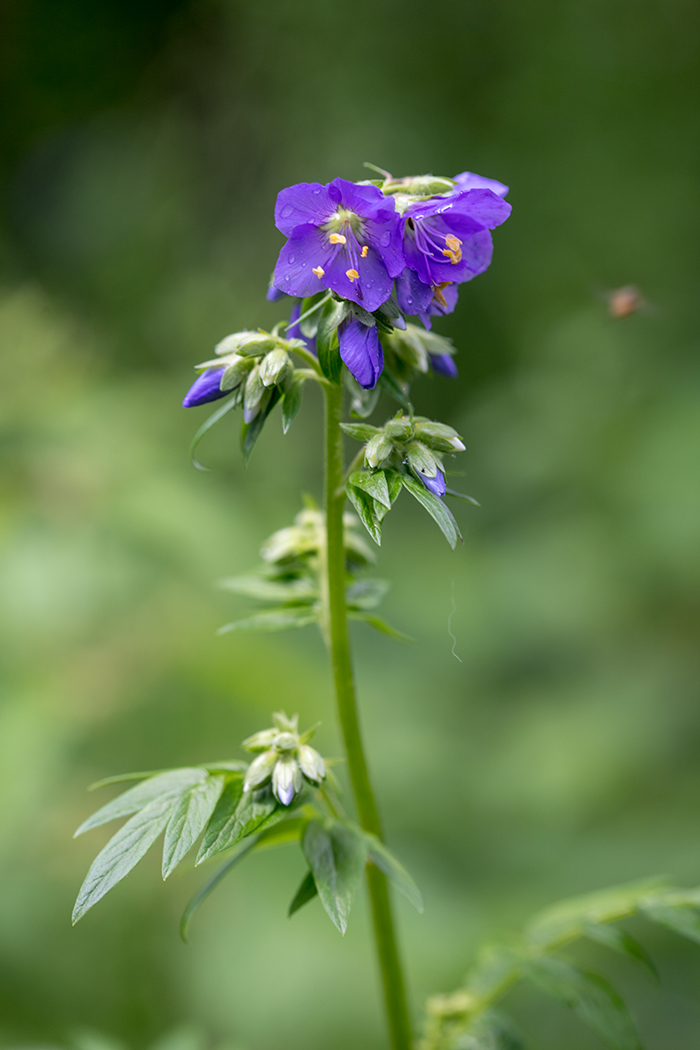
(384, 932)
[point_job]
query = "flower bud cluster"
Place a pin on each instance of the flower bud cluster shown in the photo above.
(413, 443)
(306, 539)
(414, 350)
(284, 757)
(249, 363)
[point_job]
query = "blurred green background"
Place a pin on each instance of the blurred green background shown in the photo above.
(143, 146)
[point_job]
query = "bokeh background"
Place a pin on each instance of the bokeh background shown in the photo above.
(143, 145)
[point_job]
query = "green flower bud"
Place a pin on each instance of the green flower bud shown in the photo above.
(284, 723)
(260, 741)
(399, 430)
(421, 459)
(259, 771)
(236, 371)
(312, 765)
(377, 450)
(274, 367)
(286, 741)
(439, 436)
(253, 342)
(252, 398)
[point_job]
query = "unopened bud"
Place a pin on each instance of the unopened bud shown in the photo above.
(285, 741)
(236, 371)
(377, 450)
(274, 367)
(312, 765)
(399, 430)
(421, 459)
(439, 436)
(260, 741)
(254, 391)
(286, 779)
(260, 770)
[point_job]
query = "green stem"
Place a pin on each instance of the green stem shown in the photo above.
(387, 949)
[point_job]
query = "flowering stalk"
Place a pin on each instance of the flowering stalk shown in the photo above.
(385, 936)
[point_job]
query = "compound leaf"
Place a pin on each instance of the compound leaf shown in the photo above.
(168, 785)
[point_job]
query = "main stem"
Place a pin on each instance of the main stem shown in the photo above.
(385, 936)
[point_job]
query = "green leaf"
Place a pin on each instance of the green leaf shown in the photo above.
(462, 496)
(435, 508)
(209, 423)
(337, 855)
(237, 815)
(168, 785)
(367, 593)
(123, 852)
(496, 967)
(292, 590)
(308, 318)
(306, 892)
(374, 483)
(273, 620)
(591, 998)
(491, 1032)
(120, 778)
(202, 894)
(189, 820)
(682, 918)
(365, 507)
(360, 431)
(250, 432)
(379, 625)
(227, 765)
(394, 870)
(362, 402)
(332, 314)
(289, 830)
(291, 403)
(620, 940)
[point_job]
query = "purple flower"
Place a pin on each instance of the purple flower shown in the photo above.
(342, 236)
(435, 485)
(467, 180)
(361, 351)
(444, 364)
(205, 388)
(294, 330)
(448, 239)
(424, 300)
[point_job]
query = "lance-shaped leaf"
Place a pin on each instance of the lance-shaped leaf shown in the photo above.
(394, 870)
(620, 940)
(122, 853)
(291, 403)
(332, 314)
(274, 620)
(337, 854)
(291, 590)
(367, 594)
(379, 624)
(237, 815)
(366, 509)
(676, 914)
(306, 892)
(591, 998)
(189, 820)
(168, 785)
(360, 431)
(374, 483)
(435, 508)
(209, 423)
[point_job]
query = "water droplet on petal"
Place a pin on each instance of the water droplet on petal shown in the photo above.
(291, 259)
(317, 191)
(385, 239)
(286, 211)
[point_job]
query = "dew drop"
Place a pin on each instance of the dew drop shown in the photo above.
(286, 211)
(317, 191)
(385, 239)
(291, 259)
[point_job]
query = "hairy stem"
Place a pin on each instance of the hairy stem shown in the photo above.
(385, 936)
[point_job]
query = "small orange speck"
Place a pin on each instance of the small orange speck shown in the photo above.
(319, 271)
(624, 301)
(337, 238)
(352, 274)
(364, 252)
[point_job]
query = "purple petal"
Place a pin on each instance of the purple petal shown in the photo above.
(306, 249)
(205, 388)
(285, 794)
(467, 180)
(361, 351)
(435, 485)
(484, 206)
(274, 294)
(412, 295)
(444, 365)
(382, 225)
(436, 308)
(372, 287)
(307, 202)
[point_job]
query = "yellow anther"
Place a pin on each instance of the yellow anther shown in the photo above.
(337, 238)
(364, 252)
(352, 274)
(318, 270)
(453, 242)
(453, 256)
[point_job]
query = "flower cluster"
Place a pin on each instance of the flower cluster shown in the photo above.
(413, 445)
(284, 758)
(416, 238)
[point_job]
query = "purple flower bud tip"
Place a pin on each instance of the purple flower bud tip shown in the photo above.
(435, 485)
(204, 389)
(286, 795)
(274, 294)
(444, 364)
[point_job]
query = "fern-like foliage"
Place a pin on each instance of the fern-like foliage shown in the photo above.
(467, 1019)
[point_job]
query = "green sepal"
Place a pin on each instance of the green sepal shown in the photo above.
(332, 314)
(435, 508)
(360, 431)
(250, 432)
(337, 854)
(257, 347)
(306, 892)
